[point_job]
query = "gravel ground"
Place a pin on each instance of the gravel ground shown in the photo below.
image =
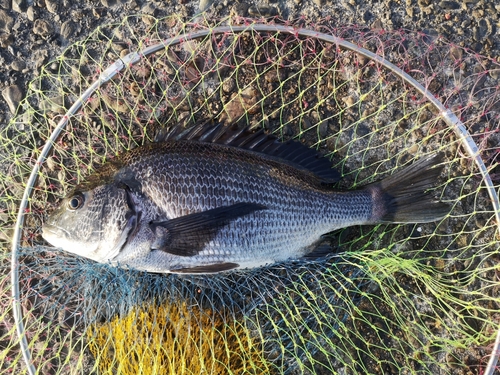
(34, 32)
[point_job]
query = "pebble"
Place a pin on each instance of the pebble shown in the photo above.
(119, 46)
(6, 40)
(478, 14)
(13, 96)
(19, 6)
(451, 5)
(40, 57)
(42, 28)
(204, 5)
(52, 6)
(6, 21)
(51, 163)
(124, 52)
(18, 65)
(55, 104)
(287, 130)
(377, 24)
(349, 100)
(110, 3)
(476, 47)
(456, 53)
(495, 73)
(6, 233)
(240, 9)
(98, 12)
(133, 5)
(61, 175)
(262, 11)
(306, 122)
(148, 20)
(228, 85)
(413, 149)
(77, 15)
(67, 29)
(324, 128)
(482, 30)
(272, 76)
(149, 9)
(32, 13)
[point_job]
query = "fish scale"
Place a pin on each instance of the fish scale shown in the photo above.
(205, 204)
(294, 219)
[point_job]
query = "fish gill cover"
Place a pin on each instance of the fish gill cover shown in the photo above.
(388, 299)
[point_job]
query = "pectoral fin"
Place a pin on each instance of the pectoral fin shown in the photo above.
(187, 235)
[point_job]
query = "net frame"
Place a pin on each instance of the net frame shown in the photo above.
(446, 114)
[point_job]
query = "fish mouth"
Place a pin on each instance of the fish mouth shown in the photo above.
(61, 238)
(49, 232)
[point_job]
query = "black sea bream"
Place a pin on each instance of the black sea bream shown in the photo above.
(211, 199)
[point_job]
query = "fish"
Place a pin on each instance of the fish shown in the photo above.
(215, 198)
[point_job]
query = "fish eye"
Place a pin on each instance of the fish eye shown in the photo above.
(76, 202)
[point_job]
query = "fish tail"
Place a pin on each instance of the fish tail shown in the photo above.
(402, 197)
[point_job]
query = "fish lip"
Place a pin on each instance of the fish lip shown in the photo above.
(51, 232)
(48, 228)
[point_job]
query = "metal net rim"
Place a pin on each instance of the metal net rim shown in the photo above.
(132, 58)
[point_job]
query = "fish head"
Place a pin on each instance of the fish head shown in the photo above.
(94, 224)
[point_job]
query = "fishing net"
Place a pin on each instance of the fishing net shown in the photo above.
(388, 299)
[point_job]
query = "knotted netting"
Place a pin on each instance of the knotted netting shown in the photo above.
(388, 299)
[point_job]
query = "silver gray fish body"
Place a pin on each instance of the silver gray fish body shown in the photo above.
(214, 203)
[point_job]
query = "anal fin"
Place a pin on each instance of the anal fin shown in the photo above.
(209, 268)
(319, 251)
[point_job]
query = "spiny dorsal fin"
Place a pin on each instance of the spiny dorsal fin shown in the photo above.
(291, 152)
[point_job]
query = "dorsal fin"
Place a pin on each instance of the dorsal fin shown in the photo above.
(291, 152)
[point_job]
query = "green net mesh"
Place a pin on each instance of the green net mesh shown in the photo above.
(389, 299)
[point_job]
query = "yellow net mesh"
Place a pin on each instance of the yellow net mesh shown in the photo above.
(403, 299)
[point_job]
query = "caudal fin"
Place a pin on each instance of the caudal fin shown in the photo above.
(402, 197)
